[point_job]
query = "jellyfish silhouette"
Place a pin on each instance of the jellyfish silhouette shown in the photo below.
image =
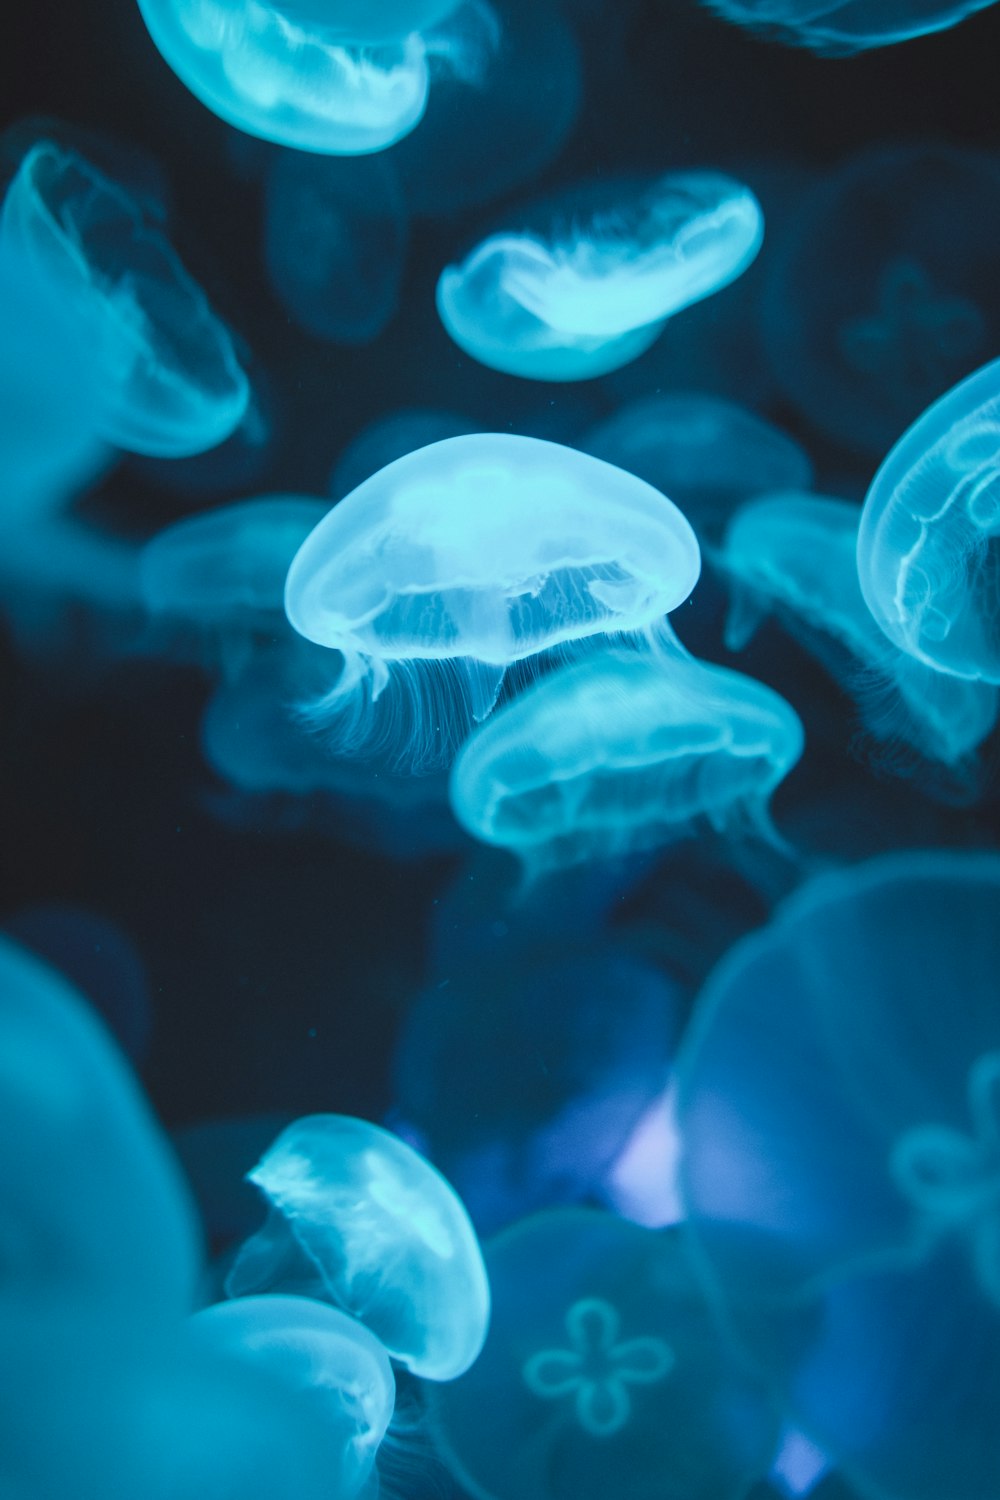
(839, 28)
(456, 561)
(797, 554)
(168, 377)
(594, 290)
(622, 752)
(390, 437)
(358, 1218)
(603, 1372)
(928, 554)
(838, 1111)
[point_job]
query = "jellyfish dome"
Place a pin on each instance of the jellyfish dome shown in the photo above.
(839, 28)
(362, 1220)
(594, 292)
(624, 751)
(839, 1114)
(170, 383)
(329, 1360)
(466, 556)
(929, 540)
(603, 1374)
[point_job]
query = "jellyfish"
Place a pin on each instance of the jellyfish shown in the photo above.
(878, 296)
(464, 557)
(603, 1373)
(360, 1219)
(840, 1166)
(703, 451)
(327, 1359)
(594, 290)
(622, 752)
(169, 379)
(361, 22)
(840, 28)
(335, 237)
(289, 73)
(390, 437)
(928, 553)
(797, 553)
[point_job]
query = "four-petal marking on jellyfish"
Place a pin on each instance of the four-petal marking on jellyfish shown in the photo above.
(954, 1178)
(915, 331)
(598, 1367)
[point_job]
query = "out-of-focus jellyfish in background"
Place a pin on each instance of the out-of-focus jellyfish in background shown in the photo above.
(169, 381)
(839, 28)
(290, 73)
(453, 563)
(525, 1082)
(622, 752)
(330, 1361)
(603, 1373)
(335, 238)
(840, 1128)
(703, 451)
(879, 295)
(390, 437)
(928, 549)
(360, 1219)
(594, 290)
(797, 555)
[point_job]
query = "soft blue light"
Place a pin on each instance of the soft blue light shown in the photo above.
(841, 27)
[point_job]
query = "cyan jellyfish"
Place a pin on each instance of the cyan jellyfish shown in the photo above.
(624, 751)
(335, 237)
(603, 1374)
(839, 28)
(797, 554)
(452, 563)
(840, 1167)
(928, 548)
(358, 1218)
(878, 296)
(288, 73)
(703, 451)
(168, 376)
(330, 1361)
(593, 291)
(360, 21)
(390, 437)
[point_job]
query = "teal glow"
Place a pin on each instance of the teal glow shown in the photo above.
(839, 28)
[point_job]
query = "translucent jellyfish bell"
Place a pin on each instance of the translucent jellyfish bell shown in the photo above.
(594, 292)
(363, 1221)
(839, 1112)
(842, 27)
(360, 21)
(329, 1360)
(797, 554)
(466, 556)
(929, 540)
(170, 383)
(624, 751)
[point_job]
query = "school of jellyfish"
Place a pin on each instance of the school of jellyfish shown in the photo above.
(500, 750)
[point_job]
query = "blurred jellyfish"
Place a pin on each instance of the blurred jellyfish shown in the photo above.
(706, 453)
(288, 73)
(335, 242)
(168, 377)
(623, 752)
(456, 561)
(390, 437)
(839, 28)
(603, 1373)
(841, 1161)
(879, 296)
(329, 1360)
(928, 554)
(797, 554)
(369, 1225)
(594, 291)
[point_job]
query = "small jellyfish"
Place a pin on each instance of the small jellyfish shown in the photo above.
(622, 752)
(929, 541)
(603, 1374)
(594, 290)
(364, 1222)
(840, 1168)
(330, 1361)
(169, 380)
(797, 554)
(840, 28)
(703, 451)
(879, 296)
(456, 561)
